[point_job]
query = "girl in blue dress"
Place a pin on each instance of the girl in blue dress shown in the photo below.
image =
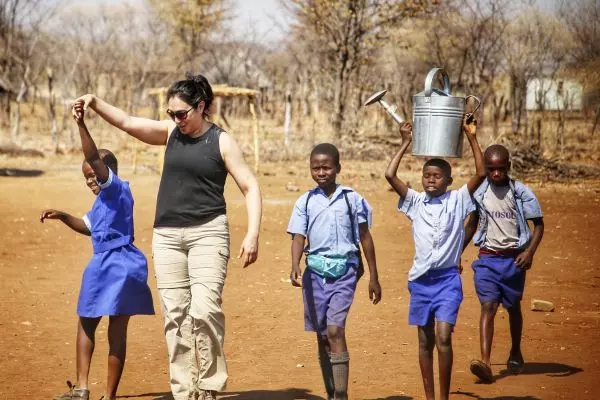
(114, 282)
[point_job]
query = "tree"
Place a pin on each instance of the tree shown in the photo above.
(536, 45)
(348, 34)
(192, 23)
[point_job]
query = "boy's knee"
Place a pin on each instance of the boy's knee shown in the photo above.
(489, 307)
(444, 341)
(514, 310)
(335, 333)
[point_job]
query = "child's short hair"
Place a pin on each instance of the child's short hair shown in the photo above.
(327, 149)
(497, 150)
(109, 160)
(441, 164)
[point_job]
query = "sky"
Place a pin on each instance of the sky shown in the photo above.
(265, 19)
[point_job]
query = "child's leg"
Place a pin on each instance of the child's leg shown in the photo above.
(86, 339)
(117, 342)
(486, 329)
(515, 318)
(443, 339)
(340, 360)
(325, 362)
(426, 344)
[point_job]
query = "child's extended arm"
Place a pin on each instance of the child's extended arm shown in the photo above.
(470, 128)
(390, 174)
(72, 222)
(366, 241)
(90, 151)
(297, 249)
(525, 259)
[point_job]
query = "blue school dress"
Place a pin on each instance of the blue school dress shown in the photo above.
(114, 281)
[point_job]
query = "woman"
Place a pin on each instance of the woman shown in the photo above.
(190, 243)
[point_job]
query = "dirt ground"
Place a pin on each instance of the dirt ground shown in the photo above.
(269, 354)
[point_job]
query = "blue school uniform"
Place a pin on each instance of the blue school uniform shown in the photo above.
(114, 281)
(438, 231)
(496, 275)
(325, 221)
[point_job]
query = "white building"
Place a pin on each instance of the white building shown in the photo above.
(554, 94)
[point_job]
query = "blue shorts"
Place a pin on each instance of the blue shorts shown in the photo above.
(498, 279)
(327, 301)
(435, 294)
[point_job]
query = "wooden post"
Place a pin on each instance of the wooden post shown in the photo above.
(287, 122)
(255, 133)
(161, 152)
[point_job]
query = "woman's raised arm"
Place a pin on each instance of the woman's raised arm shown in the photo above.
(147, 130)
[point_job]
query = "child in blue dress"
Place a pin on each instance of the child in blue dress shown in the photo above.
(114, 282)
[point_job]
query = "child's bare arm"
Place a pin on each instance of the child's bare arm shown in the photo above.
(525, 259)
(470, 129)
(390, 174)
(470, 228)
(90, 151)
(297, 249)
(72, 222)
(368, 246)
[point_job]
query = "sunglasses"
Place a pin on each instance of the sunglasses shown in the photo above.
(180, 115)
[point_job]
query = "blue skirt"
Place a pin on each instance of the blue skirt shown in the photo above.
(115, 283)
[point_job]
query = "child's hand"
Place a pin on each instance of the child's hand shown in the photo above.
(406, 132)
(295, 276)
(51, 214)
(78, 110)
(469, 124)
(524, 260)
(374, 291)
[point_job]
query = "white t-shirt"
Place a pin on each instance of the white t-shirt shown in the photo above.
(501, 209)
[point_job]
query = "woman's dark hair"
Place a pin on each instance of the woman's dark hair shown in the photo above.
(193, 89)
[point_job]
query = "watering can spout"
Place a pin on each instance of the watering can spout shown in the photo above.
(378, 98)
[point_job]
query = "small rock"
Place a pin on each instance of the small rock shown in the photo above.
(285, 280)
(300, 366)
(290, 187)
(542, 305)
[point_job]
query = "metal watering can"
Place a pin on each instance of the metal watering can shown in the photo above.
(437, 119)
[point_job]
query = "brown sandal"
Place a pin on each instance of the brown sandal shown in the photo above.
(482, 371)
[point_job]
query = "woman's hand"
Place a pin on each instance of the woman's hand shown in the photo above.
(249, 250)
(81, 104)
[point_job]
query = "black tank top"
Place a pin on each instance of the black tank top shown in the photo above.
(192, 182)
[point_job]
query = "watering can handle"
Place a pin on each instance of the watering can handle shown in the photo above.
(478, 103)
(429, 81)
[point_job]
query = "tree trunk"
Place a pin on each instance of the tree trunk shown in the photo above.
(340, 97)
(52, 108)
(519, 104)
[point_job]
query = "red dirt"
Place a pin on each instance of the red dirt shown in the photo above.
(269, 354)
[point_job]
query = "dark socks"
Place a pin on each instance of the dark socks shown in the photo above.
(325, 362)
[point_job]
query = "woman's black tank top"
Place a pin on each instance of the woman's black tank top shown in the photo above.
(193, 180)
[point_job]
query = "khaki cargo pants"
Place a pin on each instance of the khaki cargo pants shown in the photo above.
(190, 266)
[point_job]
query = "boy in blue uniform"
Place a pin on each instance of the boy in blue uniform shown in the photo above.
(114, 281)
(437, 225)
(335, 220)
(506, 250)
